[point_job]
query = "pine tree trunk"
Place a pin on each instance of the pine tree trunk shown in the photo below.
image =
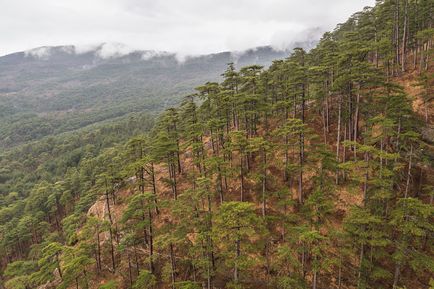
(238, 254)
(397, 43)
(398, 135)
(98, 245)
(264, 182)
(175, 185)
(344, 151)
(407, 184)
(362, 254)
(173, 266)
(365, 183)
(303, 262)
(422, 58)
(396, 276)
(130, 273)
(286, 175)
(415, 57)
(208, 276)
(338, 138)
(324, 125)
(350, 114)
(300, 176)
(404, 36)
(267, 260)
(108, 207)
(376, 47)
(356, 121)
(327, 113)
(151, 242)
(300, 180)
(220, 184)
(112, 250)
(177, 150)
(136, 260)
(154, 188)
(314, 281)
(242, 177)
(172, 175)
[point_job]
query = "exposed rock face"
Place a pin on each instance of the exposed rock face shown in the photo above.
(98, 209)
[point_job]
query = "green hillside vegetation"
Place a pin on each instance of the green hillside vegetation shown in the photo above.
(311, 173)
(65, 91)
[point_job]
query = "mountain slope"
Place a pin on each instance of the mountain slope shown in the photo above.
(49, 90)
(312, 173)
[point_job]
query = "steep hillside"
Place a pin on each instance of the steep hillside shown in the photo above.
(315, 172)
(49, 90)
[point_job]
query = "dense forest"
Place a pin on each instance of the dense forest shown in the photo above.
(316, 172)
(63, 90)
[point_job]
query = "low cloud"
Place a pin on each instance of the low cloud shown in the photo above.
(42, 53)
(187, 27)
(149, 54)
(103, 51)
(288, 39)
(113, 50)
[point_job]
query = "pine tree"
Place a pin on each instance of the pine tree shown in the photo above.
(75, 267)
(235, 225)
(290, 131)
(48, 263)
(146, 280)
(410, 220)
(19, 274)
(238, 142)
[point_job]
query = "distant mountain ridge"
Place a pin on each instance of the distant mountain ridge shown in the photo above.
(48, 62)
(63, 88)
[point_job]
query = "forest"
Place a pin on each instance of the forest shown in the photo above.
(67, 90)
(316, 172)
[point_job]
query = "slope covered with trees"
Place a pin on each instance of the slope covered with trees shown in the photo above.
(313, 173)
(50, 90)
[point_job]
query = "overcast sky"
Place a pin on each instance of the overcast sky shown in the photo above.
(183, 26)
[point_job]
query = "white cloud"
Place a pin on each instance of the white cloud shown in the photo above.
(40, 52)
(148, 54)
(113, 49)
(187, 27)
(85, 48)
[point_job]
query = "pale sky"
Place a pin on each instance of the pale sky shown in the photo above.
(181, 26)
